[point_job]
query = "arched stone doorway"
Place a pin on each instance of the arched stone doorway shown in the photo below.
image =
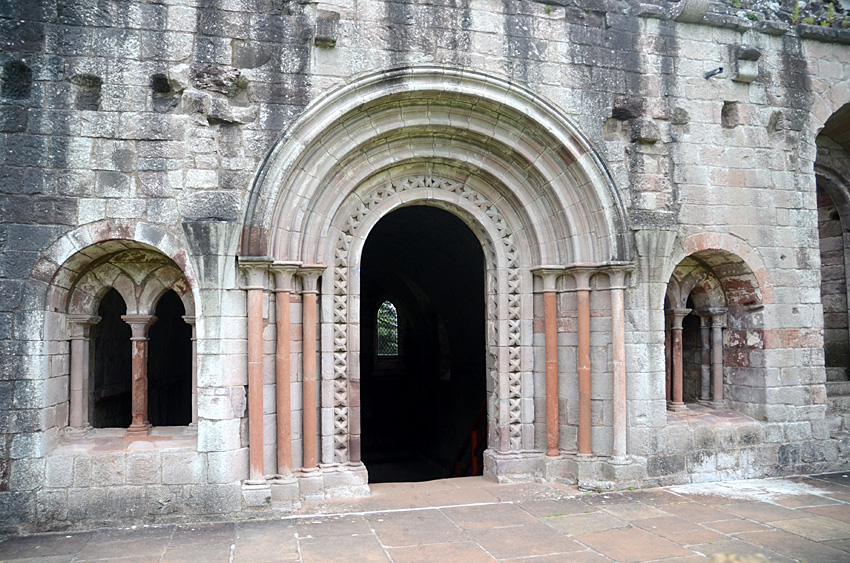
(509, 165)
(429, 266)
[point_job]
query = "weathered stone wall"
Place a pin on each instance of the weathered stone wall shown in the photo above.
(150, 121)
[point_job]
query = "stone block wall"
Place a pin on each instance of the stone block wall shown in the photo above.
(149, 122)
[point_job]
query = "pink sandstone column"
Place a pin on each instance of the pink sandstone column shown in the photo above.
(617, 278)
(677, 403)
(139, 324)
(255, 269)
(582, 277)
(79, 326)
(309, 274)
(717, 323)
(549, 277)
(283, 272)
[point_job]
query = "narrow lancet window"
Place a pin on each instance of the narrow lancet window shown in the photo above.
(387, 330)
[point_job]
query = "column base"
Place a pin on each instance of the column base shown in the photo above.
(284, 493)
(677, 407)
(721, 404)
(81, 432)
(256, 494)
(138, 430)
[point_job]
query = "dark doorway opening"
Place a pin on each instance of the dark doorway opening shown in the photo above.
(421, 396)
(170, 365)
(112, 367)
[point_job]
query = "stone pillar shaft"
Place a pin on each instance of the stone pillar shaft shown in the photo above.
(79, 378)
(677, 402)
(139, 324)
(255, 269)
(717, 323)
(283, 272)
(618, 346)
(668, 355)
(705, 359)
(582, 278)
(550, 313)
(309, 275)
(191, 322)
(549, 277)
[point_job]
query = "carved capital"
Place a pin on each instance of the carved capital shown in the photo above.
(617, 272)
(549, 276)
(139, 324)
(677, 316)
(310, 274)
(255, 268)
(581, 273)
(283, 273)
(79, 325)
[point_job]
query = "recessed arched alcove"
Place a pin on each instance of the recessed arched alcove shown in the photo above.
(170, 364)
(111, 370)
(419, 405)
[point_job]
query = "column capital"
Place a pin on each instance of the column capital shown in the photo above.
(283, 273)
(139, 324)
(549, 276)
(677, 316)
(189, 319)
(617, 272)
(718, 316)
(582, 273)
(255, 268)
(309, 274)
(79, 324)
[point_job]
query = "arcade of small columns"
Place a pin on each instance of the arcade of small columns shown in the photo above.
(582, 274)
(256, 269)
(79, 329)
(712, 321)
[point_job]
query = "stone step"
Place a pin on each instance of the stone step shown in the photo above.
(836, 374)
(837, 388)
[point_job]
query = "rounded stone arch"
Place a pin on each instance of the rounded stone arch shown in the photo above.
(478, 123)
(826, 105)
(730, 255)
(507, 285)
(713, 306)
(140, 261)
(80, 250)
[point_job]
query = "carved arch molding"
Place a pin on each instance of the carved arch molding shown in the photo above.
(364, 207)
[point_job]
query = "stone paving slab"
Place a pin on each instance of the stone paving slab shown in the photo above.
(471, 520)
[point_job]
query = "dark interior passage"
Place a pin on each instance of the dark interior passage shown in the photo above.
(419, 405)
(170, 365)
(110, 401)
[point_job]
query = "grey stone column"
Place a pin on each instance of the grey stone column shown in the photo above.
(718, 321)
(79, 326)
(705, 356)
(190, 320)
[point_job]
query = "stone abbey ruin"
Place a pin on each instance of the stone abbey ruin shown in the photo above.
(259, 251)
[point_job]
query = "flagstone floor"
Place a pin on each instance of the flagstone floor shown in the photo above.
(471, 519)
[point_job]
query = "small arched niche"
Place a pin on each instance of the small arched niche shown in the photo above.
(714, 337)
(130, 313)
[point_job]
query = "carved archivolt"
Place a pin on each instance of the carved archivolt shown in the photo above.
(342, 315)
